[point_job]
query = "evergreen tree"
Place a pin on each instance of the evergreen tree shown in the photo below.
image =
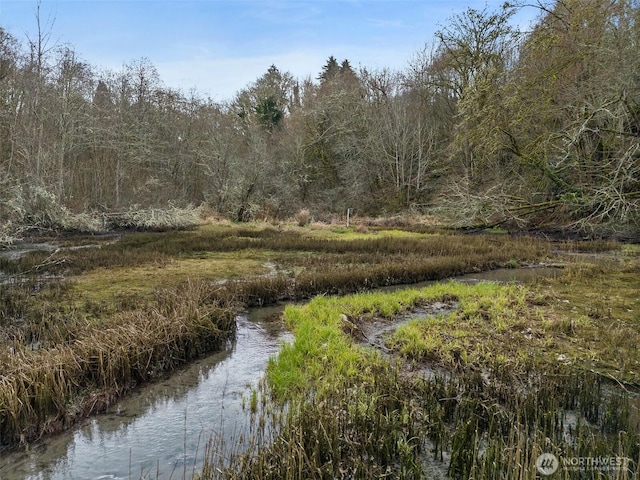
(345, 68)
(330, 70)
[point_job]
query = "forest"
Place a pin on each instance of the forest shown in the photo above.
(488, 126)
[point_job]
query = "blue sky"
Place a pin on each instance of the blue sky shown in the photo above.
(220, 46)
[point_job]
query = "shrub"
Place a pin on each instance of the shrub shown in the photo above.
(156, 219)
(38, 208)
(303, 217)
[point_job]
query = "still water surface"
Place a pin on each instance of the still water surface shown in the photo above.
(161, 430)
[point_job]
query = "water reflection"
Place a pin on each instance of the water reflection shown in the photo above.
(161, 430)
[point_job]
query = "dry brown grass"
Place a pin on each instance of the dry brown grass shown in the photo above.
(40, 390)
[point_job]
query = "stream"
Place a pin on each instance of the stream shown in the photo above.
(160, 430)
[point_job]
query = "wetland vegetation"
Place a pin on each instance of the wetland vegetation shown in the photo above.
(122, 313)
(502, 375)
(483, 380)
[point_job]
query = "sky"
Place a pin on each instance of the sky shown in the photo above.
(218, 47)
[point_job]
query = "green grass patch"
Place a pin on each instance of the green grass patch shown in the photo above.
(348, 411)
(489, 326)
(486, 314)
(105, 285)
(587, 318)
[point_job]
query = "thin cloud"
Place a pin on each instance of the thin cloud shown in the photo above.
(221, 46)
(381, 23)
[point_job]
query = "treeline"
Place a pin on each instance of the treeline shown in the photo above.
(490, 126)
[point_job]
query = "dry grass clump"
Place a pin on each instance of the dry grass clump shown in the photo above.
(155, 219)
(303, 217)
(45, 390)
(593, 246)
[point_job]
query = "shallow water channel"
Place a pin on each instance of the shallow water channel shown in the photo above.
(160, 430)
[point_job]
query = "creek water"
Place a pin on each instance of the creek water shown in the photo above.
(160, 430)
(15, 252)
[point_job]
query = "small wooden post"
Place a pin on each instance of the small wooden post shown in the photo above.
(348, 216)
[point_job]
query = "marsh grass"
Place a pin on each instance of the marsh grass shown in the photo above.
(592, 312)
(594, 246)
(340, 410)
(313, 265)
(586, 317)
(122, 288)
(491, 324)
(45, 390)
(156, 248)
(70, 346)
